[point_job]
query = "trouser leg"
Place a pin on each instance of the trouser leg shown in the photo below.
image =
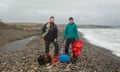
(56, 50)
(68, 42)
(67, 46)
(72, 41)
(47, 43)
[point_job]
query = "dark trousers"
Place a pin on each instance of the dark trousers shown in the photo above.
(47, 44)
(67, 44)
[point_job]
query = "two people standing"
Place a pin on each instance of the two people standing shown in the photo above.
(50, 34)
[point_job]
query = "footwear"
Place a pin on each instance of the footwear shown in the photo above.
(73, 60)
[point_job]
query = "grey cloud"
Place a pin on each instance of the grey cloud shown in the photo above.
(84, 11)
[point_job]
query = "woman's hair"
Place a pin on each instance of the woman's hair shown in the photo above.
(71, 18)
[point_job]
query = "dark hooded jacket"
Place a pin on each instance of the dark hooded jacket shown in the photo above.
(52, 33)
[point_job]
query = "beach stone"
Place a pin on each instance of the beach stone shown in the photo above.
(67, 70)
(92, 59)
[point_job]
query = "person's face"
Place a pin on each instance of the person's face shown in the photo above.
(51, 20)
(70, 21)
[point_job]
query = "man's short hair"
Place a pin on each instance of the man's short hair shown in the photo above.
(52, 17)
(71, 18)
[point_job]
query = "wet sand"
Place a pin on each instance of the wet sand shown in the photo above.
(92, 59)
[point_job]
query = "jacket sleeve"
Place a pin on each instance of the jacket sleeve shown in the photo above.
(65, 32)
(44, 28)
(76, 32)
(56, 32)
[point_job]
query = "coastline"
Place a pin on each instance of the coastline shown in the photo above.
(92, 59)
(11, 35)
(104, 58)
(106, 51)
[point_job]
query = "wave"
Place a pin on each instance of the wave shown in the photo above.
(106, 38)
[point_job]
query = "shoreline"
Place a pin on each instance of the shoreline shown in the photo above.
(12, 35)
(92, 59)
(104, 38)
(13, 32)
(96, 46)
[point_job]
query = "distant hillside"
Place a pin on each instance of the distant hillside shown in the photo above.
(95, 26)
(1, 23)
(4, 26)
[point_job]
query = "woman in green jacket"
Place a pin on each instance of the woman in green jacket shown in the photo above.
(70, 34)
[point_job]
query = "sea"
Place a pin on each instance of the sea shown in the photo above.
(108, 38)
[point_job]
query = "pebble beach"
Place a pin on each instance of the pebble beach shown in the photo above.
(92, 59)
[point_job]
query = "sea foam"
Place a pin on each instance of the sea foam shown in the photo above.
(106, 38)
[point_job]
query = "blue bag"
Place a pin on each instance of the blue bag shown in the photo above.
(64, 58)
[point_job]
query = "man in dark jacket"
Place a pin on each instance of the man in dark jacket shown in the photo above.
(50, 33)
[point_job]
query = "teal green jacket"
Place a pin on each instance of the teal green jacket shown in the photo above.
(71, 31)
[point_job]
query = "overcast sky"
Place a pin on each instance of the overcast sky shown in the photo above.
(84, 11)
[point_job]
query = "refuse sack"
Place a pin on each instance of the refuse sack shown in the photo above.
(77, 47)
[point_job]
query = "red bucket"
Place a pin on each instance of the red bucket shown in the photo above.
(77, 48)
